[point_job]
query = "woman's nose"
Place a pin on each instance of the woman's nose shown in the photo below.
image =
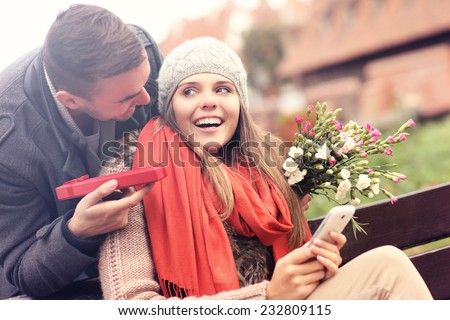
(208, 102)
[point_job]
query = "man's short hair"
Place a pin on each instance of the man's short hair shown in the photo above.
(87, 43)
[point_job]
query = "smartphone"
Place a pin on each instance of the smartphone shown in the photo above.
(336, 220)
(82, 186)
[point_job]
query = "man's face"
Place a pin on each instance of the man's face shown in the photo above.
(116, 98)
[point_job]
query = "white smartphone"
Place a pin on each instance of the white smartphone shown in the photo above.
(336, 220)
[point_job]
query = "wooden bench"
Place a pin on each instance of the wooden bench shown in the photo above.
(417, 218)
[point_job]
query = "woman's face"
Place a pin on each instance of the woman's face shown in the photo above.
(206, 108)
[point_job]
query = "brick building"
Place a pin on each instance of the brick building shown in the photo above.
(375, 58)
(226, 23)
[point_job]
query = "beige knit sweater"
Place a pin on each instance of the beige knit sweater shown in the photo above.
(126, 266)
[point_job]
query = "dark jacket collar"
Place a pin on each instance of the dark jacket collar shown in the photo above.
(37, 90)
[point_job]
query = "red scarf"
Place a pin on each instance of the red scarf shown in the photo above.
(190, 247)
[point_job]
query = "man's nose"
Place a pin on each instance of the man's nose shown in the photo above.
(143, 98)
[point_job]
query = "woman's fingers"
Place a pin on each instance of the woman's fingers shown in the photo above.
(330, 266)
(292, 281)
(305, 202)
(339, 239)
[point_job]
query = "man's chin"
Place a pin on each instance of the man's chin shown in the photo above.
(122, 119)
(126, 116)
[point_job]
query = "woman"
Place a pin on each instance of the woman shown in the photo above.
(224, 223)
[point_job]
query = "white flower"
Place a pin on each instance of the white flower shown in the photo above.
(296, 177)
(345, 174)
(354, 202)
(344, 136)
(348, 145)
(322, 152)
(343, 188)
(363, 182)
(340, 195)
(289, 166)
(375, 188)
(295, 152)
(345, 185)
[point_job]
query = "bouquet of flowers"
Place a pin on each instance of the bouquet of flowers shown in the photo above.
(330, 156)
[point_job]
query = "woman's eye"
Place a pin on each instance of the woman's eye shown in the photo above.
(188, 91)
(223, 90)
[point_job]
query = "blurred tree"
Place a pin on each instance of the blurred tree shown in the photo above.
(262, 51)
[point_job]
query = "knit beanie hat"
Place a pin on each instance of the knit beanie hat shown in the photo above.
(200, 55)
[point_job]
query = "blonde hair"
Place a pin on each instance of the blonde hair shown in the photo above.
(268, 162)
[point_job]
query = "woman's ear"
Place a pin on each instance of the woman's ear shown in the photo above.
(69, 100)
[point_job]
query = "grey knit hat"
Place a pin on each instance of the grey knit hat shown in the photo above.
(200, 55)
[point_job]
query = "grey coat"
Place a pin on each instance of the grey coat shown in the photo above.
(38, 152)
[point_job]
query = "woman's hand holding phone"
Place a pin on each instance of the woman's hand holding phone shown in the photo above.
(328, 239)
(298, 273)
(328, 253)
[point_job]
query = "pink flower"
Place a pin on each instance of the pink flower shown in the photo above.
(312, 133)
(388, 151)
(338, 125)
(332, 161)
(375, 133)
(298, 119)
(396, 179)
(308, 124)
(373, 139)
(311, 108)
(394, 200)
(369, 170)
(364, 155)
(304, 131)
(391, 139)
(410, 123)
(369, 127)
(402, 136)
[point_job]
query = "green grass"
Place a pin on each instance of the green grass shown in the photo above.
(428, 246)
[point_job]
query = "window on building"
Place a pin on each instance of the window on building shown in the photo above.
(378, 6)
(350, 14)
(325, 22)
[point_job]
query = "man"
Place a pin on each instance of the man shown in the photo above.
(92, 81)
